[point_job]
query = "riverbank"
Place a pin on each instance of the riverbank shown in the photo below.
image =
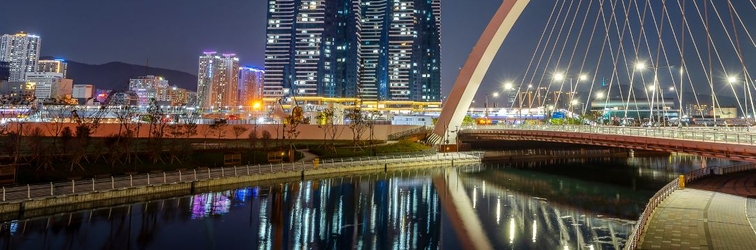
(29, 201)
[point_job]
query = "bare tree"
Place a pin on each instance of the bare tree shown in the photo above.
(239, 130)
(357, 123)
(218, 128)
(327, 122)
(157, 130)
(266, 139)
(57, 115)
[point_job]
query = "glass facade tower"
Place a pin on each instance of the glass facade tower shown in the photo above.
(371, 49)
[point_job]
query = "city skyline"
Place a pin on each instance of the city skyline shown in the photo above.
(87, 36)
(245, 24)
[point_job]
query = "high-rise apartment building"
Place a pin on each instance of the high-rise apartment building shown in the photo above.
(250, 85)
(21, 51)
(148, 88)
(53, 66)
(217, 81)
(372, 49)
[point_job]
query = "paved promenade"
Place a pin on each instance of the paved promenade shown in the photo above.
(711, 213)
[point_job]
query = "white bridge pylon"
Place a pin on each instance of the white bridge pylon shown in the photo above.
(475, 68)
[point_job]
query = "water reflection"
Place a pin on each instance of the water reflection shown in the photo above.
(559, 205)
(375, 212)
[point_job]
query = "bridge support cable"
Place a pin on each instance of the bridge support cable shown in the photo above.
(682, 69)
(532, 58)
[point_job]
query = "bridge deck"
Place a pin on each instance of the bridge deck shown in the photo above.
(712, 213)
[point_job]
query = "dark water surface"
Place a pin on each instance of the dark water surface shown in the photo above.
(572, 204)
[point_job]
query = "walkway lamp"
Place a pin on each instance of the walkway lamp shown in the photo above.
(746, 95)
(640, 66)
(559, 77)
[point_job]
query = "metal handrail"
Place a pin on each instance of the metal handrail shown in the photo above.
(664, 192)
(744, 136)
(83, 186)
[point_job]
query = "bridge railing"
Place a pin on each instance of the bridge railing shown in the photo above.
(674, 185)
(723, 135)
(108, 183)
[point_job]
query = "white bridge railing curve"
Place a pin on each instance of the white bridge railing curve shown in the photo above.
(731, 135)
(674, 185)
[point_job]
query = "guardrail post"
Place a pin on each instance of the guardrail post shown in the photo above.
(164, 179)
(52, 189)
(208, 173)
(271, 167)
(93, 184)
(195, 174)
(131, 181)
(682, 181)
(112, 182)
(179, 175)
(73, 186)
(223, 172)
(28, 191)
(3, 193)
(148, 179)
(247, 169)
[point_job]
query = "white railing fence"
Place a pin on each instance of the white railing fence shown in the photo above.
(88, 185)
(664, 192)
(734, 135)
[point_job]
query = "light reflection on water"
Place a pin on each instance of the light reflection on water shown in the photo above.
(539, 208)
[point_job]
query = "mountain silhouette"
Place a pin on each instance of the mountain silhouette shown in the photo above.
(116, 75)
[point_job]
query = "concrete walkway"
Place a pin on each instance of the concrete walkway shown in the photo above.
(712, 213)
(308, 157)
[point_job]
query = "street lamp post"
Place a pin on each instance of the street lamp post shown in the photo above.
(571, 96)
(746, 94)
(640, 66)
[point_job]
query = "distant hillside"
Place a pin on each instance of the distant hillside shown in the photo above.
(116, 75)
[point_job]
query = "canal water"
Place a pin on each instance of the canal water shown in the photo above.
(566, 204)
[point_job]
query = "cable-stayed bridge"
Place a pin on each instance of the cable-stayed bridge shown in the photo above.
(623, 64)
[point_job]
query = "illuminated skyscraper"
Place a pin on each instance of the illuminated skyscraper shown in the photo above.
(250, 85)
(21, 51)
(217, 81)
(373, 49)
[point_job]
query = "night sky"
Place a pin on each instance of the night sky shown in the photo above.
(173, 35)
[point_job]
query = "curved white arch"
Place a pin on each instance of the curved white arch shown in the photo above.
(475, 68)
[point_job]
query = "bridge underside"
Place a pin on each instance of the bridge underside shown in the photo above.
(707, 149)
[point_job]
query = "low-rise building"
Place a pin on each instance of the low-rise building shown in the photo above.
(50, 85)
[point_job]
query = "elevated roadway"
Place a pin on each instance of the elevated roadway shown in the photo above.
(732, 143)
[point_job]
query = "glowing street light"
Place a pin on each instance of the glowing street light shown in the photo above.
(600, 95)
(732, 79)
(640, 66)
(559, 76)
(508, 86)
(495, 94)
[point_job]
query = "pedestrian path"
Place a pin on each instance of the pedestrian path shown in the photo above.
(712, 213)
(308, 157)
